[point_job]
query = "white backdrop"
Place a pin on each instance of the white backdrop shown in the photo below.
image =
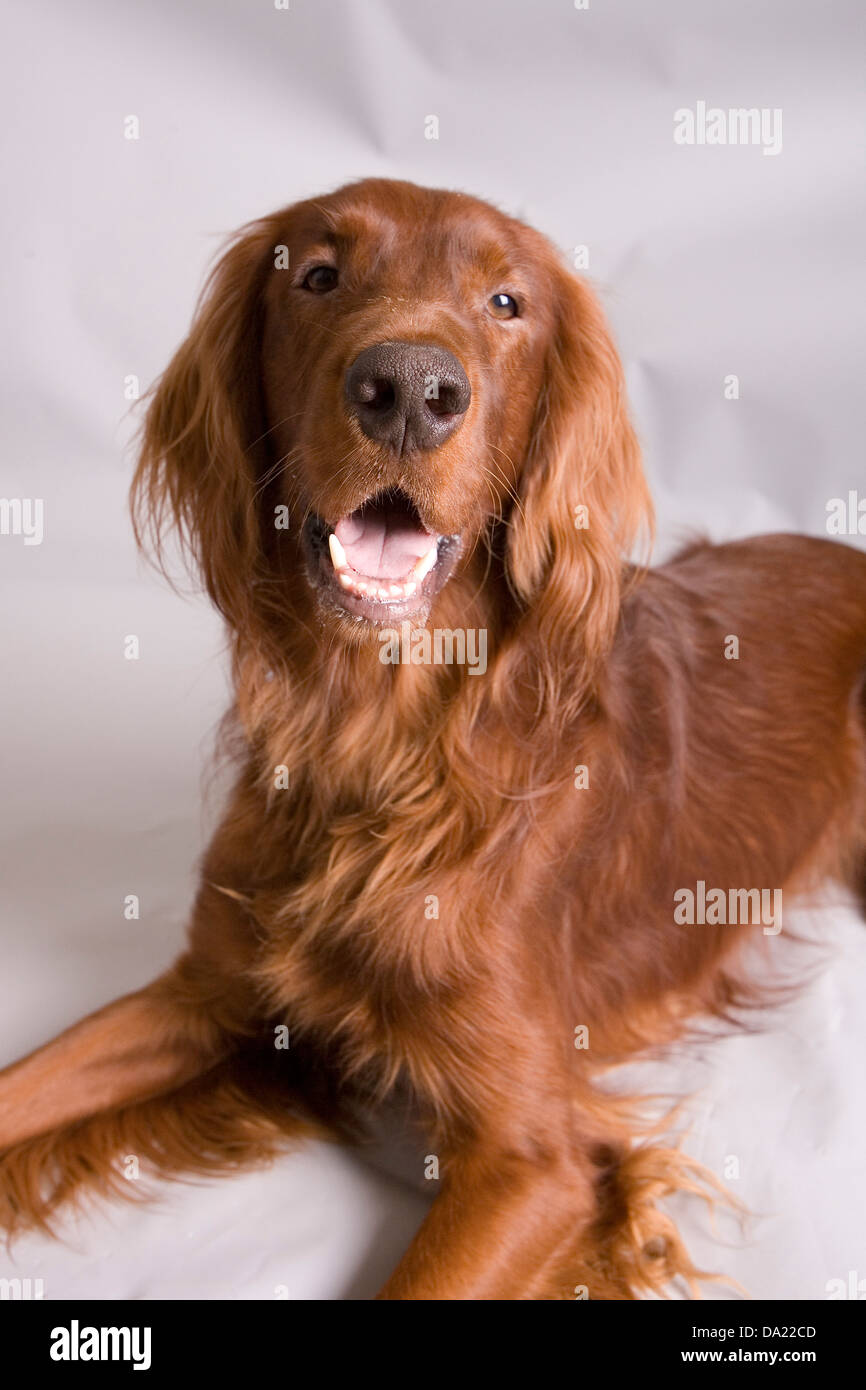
(711, 260)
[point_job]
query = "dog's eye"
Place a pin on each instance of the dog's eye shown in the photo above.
(321, 279)
(503, 306)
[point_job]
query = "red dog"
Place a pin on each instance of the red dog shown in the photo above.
(399, 420)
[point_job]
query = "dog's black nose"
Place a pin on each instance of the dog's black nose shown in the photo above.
(407, 396)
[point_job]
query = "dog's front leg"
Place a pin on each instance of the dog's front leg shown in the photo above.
(141, 1045)
(503, 1227)
(162, 1081)
(146, 1043)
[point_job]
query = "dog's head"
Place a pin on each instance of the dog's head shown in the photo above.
(385, 390)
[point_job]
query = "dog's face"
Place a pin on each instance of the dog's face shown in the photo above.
(402, 360)
(428, 393)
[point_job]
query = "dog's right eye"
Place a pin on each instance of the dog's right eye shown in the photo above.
(321, 279)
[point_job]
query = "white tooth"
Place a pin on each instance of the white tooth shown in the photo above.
(345, 580)
(396, 590)
(361, 586)
(383, 591)
(338, 554)
(409, 588)
(424, 564)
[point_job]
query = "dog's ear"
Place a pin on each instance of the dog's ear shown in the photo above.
(197, 472)
(582, 497)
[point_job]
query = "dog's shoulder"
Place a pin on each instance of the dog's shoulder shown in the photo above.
(787, 597)
(767, 570)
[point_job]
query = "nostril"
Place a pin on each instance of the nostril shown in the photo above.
(443, 404)
(375, 393)
(450, 398)
(384, 395)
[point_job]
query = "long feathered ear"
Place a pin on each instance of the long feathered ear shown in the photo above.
(582, 497)
(197, 474)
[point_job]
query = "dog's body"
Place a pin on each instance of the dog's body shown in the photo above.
(452, 888)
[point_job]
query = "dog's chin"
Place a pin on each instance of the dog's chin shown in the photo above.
(380, 565)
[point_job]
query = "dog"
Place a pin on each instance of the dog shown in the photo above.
(454, 895)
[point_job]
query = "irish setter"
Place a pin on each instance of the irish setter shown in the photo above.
(456, 891)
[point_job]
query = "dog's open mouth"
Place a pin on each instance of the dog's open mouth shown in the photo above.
(381, 563)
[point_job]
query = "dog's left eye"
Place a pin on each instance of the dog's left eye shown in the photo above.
(503, 306)
(321, 279)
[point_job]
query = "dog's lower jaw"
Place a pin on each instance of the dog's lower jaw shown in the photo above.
(336, 599)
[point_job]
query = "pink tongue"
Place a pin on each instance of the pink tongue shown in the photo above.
(383, 545)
